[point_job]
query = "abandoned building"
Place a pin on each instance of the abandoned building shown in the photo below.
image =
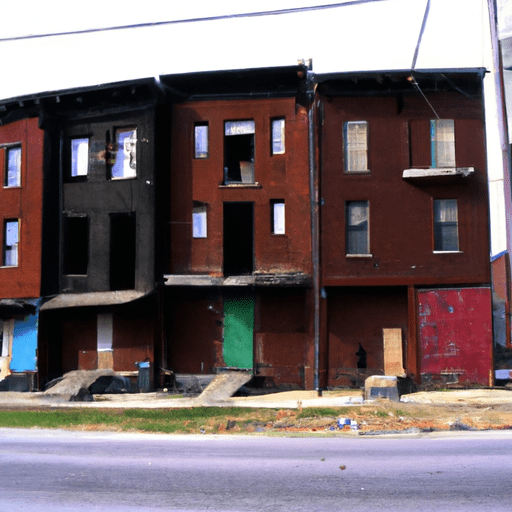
(311, 227)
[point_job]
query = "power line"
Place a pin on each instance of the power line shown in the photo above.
(195, 20)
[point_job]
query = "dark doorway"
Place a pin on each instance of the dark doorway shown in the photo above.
(122, 251)
(238, 238)
(76, 245)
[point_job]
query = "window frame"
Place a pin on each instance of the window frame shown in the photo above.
(435, 129)
(438, 225)
(277, 220)
(117, 130)
(347, 150)
(69, 174)
(8, 148)
(351, 228)
(278, 140)
(15, 247)
(240, 127)
(199, 141)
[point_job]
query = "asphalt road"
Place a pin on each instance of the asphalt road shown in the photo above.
(69, 471)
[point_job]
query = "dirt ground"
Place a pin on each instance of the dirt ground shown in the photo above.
(475, 409)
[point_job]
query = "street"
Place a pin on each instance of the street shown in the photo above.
(64, 471)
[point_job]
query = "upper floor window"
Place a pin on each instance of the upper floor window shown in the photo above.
(356, 146)
(199, 220)
(13, 167)
(201, 140)
(124, 163)
(277, 216)
(11, 241)
(79, 157)
(357, 230)
(446, 236)
(278, 143)
(442, 141)
(239, 151)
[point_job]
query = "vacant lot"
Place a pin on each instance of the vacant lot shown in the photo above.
(456, 410)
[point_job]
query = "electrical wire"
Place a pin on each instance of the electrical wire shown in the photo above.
(195, 20)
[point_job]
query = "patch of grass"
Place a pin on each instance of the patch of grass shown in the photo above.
(320, 412)
(206, 419)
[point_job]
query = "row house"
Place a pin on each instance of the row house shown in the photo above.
(312, 230)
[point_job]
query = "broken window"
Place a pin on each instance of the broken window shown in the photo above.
(11, 241)
(278, 146)
(201, 140)
(79, 157)
(357, 232)
(122, 251)
(124, 157)
(13, 167)
(105, 332)
(356, 146)
(239, 152)
(442, 140)
(277, 218)
(76, 245)
(199, 220)
(446, 237)
(238, 238)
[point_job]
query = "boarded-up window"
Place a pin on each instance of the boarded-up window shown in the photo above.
(357, 232)
(356, 146)
(11, 241)
(442, 137)
(446, 237)
(122, 251)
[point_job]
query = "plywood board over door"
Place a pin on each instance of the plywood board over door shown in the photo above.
(393, 355)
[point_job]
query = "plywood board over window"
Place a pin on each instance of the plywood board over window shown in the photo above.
(393, 357)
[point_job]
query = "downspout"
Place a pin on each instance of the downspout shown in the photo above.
(313, 201)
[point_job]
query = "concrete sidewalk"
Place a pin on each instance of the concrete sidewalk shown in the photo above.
(285, 400)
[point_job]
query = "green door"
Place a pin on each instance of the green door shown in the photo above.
(238, 331)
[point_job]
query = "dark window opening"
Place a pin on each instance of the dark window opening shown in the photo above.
(239, 152)
(238, 238)
(122, 251)
(76, 245)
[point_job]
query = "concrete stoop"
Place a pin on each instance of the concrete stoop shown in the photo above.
(223, 386)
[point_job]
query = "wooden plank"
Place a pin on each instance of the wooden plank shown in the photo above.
(393, 359)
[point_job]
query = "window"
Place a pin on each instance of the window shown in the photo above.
(13, 166)
(201, 140)
(76, 245)
(446, 237)
(442, 141)
(11, 241)
(239, 152)
(124, 165)
(357, 232)
(79, 157)
(278, 146)
(277, 216)
(199, 220)
(356, 146)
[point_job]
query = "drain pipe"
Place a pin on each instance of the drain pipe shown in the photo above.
(313, 201)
